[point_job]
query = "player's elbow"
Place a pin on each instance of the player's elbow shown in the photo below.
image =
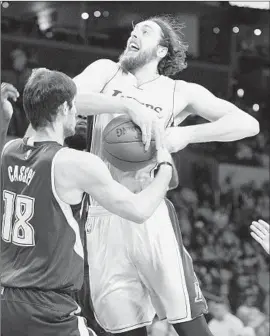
(139, 216)
(143, 214)
(254, 127)
(249, 125)
(139, 213)
(130, 210)
(139, 219)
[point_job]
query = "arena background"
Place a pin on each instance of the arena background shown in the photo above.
(223, 186)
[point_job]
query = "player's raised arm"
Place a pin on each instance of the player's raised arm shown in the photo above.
(228, 122)
(8, 91)
(90, 100)
(85, 172)
(90, 83)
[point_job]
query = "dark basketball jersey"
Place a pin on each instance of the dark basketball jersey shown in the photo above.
(41, 235)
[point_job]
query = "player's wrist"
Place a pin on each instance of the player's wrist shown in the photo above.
(164, 164)
(164, 167)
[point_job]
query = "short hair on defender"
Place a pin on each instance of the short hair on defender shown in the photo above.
(172, 38)
(44, 92)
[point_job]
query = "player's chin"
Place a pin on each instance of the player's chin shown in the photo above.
(70, 132)
(76, 141)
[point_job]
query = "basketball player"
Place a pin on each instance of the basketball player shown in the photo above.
(8, 91)
(42, 192)
(138, 271)
(261, 233)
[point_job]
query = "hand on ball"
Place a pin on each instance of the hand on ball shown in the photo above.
(148, 122)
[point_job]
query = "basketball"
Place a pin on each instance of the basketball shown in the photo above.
(123, 146)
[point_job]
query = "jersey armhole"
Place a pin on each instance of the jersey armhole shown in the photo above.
(56, 196)
(171, 121)
(110, 79)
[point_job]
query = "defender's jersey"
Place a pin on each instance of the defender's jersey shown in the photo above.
(157, 95)
(41, 239)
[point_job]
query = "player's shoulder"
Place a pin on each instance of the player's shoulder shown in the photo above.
(189, 89)
(71, 159)
(95, 75)
(67, 158)
(76, 168)
(106, 62)
(9, 145)
(183, 85)
(103, 65)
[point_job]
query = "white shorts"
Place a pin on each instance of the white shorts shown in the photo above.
(138, 270)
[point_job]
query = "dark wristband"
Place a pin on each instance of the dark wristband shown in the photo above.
(166, 163)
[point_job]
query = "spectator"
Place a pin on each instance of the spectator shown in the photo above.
(243, 313)
(18, 76)
(223, 322)
(256, 323)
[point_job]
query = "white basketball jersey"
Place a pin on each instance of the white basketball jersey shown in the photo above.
(157, 95)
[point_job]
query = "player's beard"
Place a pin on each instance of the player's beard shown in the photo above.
(78, 140)
(135, 60)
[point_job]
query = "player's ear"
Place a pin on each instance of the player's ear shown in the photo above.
(162, 51)
(65, 108)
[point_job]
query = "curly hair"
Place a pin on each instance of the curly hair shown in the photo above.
(172, 38)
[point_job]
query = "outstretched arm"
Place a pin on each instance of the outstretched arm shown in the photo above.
(86, 172)
(227, 121)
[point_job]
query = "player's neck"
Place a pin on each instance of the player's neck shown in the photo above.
(49, 134)
(146, 73)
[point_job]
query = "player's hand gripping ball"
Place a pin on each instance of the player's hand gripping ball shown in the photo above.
(123, 146)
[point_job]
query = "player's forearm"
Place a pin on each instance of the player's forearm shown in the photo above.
(149, 199)
(97, 103)
(119, 200)
(231, 127)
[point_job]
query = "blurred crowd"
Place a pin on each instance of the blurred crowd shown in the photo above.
(17, 73)
(251, 151)
(227, 261)
(248, 321)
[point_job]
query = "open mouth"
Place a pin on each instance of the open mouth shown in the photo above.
(133, 47)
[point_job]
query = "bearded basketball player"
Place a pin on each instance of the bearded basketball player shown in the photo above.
(139, 271)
